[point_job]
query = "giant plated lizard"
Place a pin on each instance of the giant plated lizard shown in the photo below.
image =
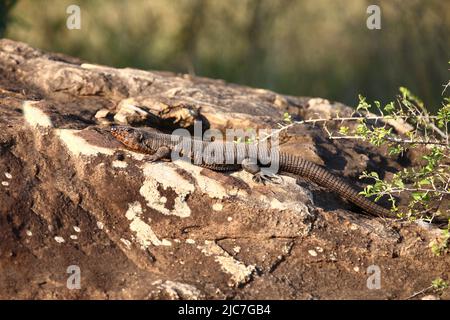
(160, 146)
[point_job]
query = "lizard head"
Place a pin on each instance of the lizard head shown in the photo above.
(129, 136)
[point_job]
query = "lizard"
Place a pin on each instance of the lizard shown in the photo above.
(159, 146)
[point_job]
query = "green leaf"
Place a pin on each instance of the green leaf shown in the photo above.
(399, 184)
(439, 284)
(389, 107)
(344, 130)
(287, 117)
(417, 195)
(424, 182)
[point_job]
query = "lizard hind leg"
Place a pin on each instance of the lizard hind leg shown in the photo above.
(162, 153)
(259, 174)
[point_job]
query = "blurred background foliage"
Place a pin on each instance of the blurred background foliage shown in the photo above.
(300, 47)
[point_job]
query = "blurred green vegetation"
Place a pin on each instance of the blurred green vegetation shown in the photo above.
(311, 48)
(5, 8)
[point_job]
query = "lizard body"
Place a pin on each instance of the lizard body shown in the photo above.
(161, 146)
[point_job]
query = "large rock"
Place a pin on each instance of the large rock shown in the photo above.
(71, 195)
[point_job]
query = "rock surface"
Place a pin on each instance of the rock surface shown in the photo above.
(70, 195)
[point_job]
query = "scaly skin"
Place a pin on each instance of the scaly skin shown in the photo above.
(160, 146)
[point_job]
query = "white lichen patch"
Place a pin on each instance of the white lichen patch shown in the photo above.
(430, 297)
(100, 225)
(287, 205)
(353, 226)
(5, 183)
(59, 239)
(119, 164)
(206, 185)
(77, 229)
(244, 176)
(217, 207)
(34, 116)
(283, 191)
(73, 237)
(8, 175)
(134, 210)
(93, 66)
(178, 290)
(79, 146)
(144, 233)
(126, 242)
(240, 273)
(29, 233)
(165, 176)
(276, 204)
(190, 241)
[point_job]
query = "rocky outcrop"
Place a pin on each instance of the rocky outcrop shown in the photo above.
(71, 195)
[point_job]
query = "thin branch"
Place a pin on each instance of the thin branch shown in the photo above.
(340, 119)
(419, 292)
(392, 139)
(421, 110)
(446, 86)
(399, 190)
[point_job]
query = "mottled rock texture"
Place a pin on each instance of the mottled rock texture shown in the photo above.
(72, 195)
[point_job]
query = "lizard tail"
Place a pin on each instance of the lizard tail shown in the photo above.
(319, 175)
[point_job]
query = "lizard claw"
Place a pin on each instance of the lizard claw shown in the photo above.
(263, 177)
(151, 158)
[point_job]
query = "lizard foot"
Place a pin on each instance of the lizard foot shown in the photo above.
(263, 177)
(160, 154)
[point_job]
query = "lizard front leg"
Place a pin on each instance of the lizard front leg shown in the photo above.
(259, 174)
(162, 153)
